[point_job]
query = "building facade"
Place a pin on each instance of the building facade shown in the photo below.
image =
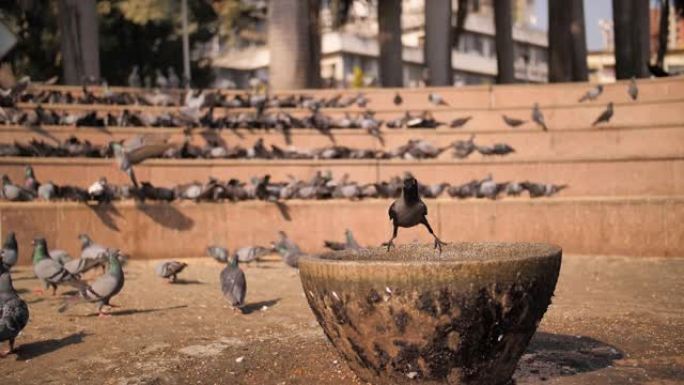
(352, 50)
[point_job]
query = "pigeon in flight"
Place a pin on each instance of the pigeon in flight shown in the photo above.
(409, 210)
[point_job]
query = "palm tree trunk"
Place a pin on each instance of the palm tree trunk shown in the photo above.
(77, 21)
(631, 23)
(389, 38)
(504, 42)
(567, 41)
(294, 44)
(438, 42)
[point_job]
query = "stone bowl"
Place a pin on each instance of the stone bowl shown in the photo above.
(412, 316)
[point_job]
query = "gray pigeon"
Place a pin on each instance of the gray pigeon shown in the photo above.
(348, 244)
(436, 99)
(61, 256)
(92, 251)
(592, 94)
(538, 117)
(106, 286)
(250, 254)
(14, 193)
(170, 269)
(136, 149)
(288, 250)
(460, 122)
(512, 122)
(633, 90)
(49, 271)
(233, 284)
(14, 313)
(10, 251)
(605, 115)
(218, 253)
(47, 191)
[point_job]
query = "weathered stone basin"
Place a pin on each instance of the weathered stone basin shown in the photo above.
(411, 316)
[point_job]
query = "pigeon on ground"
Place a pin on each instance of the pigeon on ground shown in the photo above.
(14, 313)
(106, 286)
(101, 191)
(496, 149)
(348, 244)
(288, 250)
(169, 269)
(488, 188)
(233, 284)
(436, 99)
(409, 210)
(463, 148)
(592, 94)
(537, 190)
(633, 90)
(397, 99)
(460, 122)
(30, 181)
(49, 271)
(47, 191)
(218, 253)
(10, 251)
(250, 254)
(512, 122)
(605, 115)
(538, 117)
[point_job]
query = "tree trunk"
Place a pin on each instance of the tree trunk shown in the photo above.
(663, 32)
(504, 42)
(631, 22)
(77, 21)
(294, 44)
(567, 41)
(389, 38)
(438, 42)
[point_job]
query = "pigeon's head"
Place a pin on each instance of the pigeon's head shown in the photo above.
(85, 239)
(28, 171)
(599, 87)
(233, 260)
(6, 179)
(39, 242)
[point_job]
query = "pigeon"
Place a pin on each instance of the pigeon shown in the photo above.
(170, 269)
(463, 148)
(514, 189)
(233, 284)
(134, 78)
(488, 188)
(218, 253)
(409, 210)
(538, 117)
(47, 191)
(101, 191)
(14, 313)
(633, 90)
(349, 243)
(30, 182)
(104, 287)
(49, 271)
(436, 99)
(92, 251)
(605, 115)
(288, 250)
(460, 122)
(160, 81)
(10, 251)
(592, 94)
(136, 149)
(250, 254)
(14, 193)
(537, 190)
(512, 122)
(397, 99)
(174, 81)
(496, 149)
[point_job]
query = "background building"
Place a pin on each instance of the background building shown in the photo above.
(354, 47)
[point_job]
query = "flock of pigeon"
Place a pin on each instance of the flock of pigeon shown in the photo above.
(321, 186)
(54, 268)
(218, 149)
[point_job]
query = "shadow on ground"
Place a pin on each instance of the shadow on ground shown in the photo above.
(38, 348)
(553, 355)
(124, 312)
(256, 306)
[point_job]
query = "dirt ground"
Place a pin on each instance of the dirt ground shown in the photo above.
(613, 321)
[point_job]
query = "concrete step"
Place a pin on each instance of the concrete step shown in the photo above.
(591, 176)
(629, 226)
(619, 142)
(470, 97)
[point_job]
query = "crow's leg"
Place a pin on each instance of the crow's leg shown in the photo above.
(438, 242)
(390, 243)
